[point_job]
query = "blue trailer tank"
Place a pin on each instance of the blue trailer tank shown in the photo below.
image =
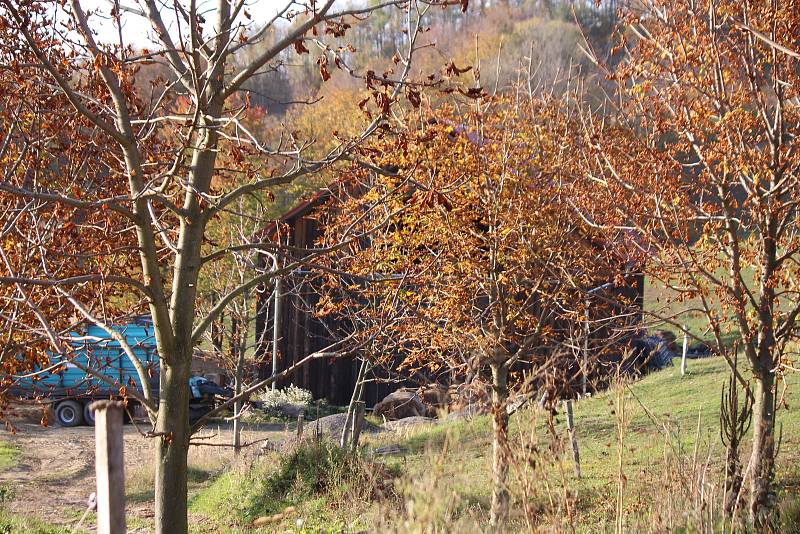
(71, 390)
(97, 350)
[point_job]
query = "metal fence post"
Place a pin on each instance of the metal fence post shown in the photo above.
(109, 466)
(685, 350)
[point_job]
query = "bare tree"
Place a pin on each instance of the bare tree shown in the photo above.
(176, 156)
(701, 162)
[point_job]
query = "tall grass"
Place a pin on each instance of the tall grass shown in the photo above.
(652, 461)
(281, 490)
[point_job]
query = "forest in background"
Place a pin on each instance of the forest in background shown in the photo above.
(539, 44)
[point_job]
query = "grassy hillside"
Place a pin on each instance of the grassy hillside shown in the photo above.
(669, 464)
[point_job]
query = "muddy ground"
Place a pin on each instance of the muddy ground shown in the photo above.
(54, 474)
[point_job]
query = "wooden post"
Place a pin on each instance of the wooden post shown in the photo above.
(576, 456)
(109, 466)
(300, 417)
(685, 350)
(316, 429)
(358, 423)
(238, 406)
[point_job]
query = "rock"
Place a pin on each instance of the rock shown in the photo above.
(436, 397)
(332, 426)
(409, 422)
(389, 450)
(399, 405)
(289, 409)
(473, 396)
(282, 446)
(468, 412)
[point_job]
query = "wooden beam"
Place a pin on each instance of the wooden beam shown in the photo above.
(109, 466)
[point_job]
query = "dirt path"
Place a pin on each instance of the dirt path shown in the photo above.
(54, 474)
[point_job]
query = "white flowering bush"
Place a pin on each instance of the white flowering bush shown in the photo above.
(288, 395)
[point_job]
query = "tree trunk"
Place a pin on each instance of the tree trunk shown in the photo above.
(762, 456)
(172, 427)
(500, 498)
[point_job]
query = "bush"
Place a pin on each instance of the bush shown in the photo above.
(290, 395)
(321, 473)
(321, 469)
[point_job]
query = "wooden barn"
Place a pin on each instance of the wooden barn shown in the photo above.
(300, 332)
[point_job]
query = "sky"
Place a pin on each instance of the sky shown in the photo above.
(137, 30)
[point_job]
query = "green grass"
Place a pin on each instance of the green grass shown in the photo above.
(446, 468)
(9, 454)
(11, 523)
(140, 491)
(19, 524)
(310, 482)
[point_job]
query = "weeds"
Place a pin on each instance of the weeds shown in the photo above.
(430, 501)
(204, 464)
(312, 474)
(9, 454)
(651, 462)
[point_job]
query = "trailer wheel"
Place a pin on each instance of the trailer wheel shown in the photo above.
(69, 413)
(88, 415)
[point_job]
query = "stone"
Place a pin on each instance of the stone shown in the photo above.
(332, 426)
(468, 412)
(289, 409)
(473, 397)
(399, 405)
(436, 397)
(409, 422)
(329, 427)
(389, 450)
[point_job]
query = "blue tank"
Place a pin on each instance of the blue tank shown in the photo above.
(70, 389)
(97, 350)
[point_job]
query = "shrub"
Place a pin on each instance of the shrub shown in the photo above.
(311, 473)
(321, 469)
(289, 395)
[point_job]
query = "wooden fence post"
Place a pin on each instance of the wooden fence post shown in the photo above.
(300, 418)
(576, 456)
(109, 466)
(276, 329)
(685, 350)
